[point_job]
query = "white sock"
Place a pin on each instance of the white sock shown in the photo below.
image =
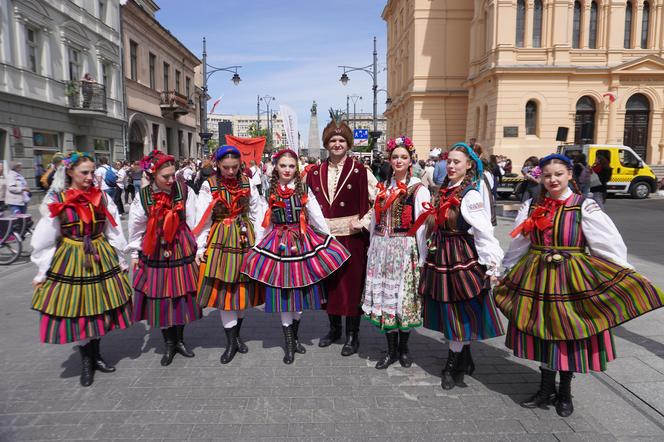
(286, 318)
(228, 318)
(457, 347)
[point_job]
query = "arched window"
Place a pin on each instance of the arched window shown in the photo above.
(531, 118)
(520, 22)
(627, 43)
(592, 31)
(576, 29)
(645, 24)
(637, 124)
(584, 121)
(537, 24)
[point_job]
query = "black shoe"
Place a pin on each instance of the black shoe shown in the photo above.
(404, 356)
(564, 405)
(299, 348)
(546, 395)
(289, 348)
(98, 362)
(87, 364)
(468, 363)
(390, 356)
(241, 346)
(231, 345)
(447, 376)
(179, 342)
(352, 344)
(169, 344)
(334, 334)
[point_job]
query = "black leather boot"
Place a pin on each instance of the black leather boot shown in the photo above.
(299, 348)
(289, 347)
(450, 369)
(465, 365)
(241, 346)
(352, 344)
(468, 363)
(169, 343)
(546, 394)
(179, 342)
(231, 345)
(334, 334)
(98, 362)
(87, 364)
(564, 405)
(404, 356)
(391, 355)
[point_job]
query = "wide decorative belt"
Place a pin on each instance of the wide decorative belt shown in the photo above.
(557, 254)
(76, 240)
(341, 226)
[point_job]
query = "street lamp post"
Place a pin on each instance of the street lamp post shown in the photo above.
(267, 99)
(372, 70)
(205, 135)
(354, 98)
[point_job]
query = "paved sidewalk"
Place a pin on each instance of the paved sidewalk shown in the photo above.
(321, 396)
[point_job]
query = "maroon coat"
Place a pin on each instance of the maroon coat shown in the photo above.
(345, 286)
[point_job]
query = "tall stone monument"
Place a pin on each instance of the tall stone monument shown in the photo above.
(314, 142)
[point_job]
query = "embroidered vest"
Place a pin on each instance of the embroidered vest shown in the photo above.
(402, 214)
(220, 211)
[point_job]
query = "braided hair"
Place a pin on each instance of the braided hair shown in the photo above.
(274, 179)
(468, 179)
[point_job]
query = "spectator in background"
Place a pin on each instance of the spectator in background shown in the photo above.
(440, 170)
(427, 176)
(530, 172)
(3, 186)
(581, 173)
(604, 171)
(508, 166)
(87, 83)
(120, 186)
(17, 193)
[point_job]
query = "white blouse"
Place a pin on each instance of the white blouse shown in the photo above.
(315, 216)
(256, 209)
(47, 232)
(600, 233)
(421, 196)
(138, 220)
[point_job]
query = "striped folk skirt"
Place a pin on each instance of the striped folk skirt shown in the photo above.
(391, 300)
(78, 303)
(165, 283)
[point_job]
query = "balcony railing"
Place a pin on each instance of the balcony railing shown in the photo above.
(84, 97)
(174, 104)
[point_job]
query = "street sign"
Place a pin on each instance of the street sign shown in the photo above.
(361, 134)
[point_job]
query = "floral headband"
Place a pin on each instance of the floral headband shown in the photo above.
(154, 160)
(402, 141)
(73, 157)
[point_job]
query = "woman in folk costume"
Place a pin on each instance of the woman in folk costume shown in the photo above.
(296, 251)
(163, 250)
(81, 289)
(396, 252)
(568, 284)
(227, 214)
(462, 261)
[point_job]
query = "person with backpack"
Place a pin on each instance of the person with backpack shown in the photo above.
(46, 178)
(106, 178)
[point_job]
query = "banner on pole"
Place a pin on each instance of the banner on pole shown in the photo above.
(289, 118)
(250, 148)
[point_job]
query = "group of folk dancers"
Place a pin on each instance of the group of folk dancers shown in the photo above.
(333, 238)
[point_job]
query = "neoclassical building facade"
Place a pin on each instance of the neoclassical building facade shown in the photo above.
(511, 72)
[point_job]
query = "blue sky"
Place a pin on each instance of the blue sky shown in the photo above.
(289, 49)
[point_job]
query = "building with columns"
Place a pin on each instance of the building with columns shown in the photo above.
(511, 72)
(46, 48)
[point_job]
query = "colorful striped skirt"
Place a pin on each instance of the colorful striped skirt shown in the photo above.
(567, 295)
(471, 320)
(579, 356)
(76, 302)
(229, 296)
(391, 300)
(294, 300)
(287, 259)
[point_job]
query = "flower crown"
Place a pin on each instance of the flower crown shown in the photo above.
(73, 157)
(401, 141)
(152, 161)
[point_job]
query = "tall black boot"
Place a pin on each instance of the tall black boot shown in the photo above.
(169, 344)
(231, 345)
(564, 405)
(87, 365)
(450, 369)
(241, 346)
(404, 356)
(334, 334)
(546, 394)
(464, 366)
(390, 356)
(289, 348)
(352, 344)
(299, 348)
(98, 362)
(179, 342)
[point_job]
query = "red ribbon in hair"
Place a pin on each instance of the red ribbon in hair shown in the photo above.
(84, 202)
(161, 212)
(380, 208)
(234, 207)
(540, 218)
(441, 214)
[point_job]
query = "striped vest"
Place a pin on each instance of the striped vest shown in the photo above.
(566, 229)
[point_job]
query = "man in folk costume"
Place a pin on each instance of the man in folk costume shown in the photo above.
(344, 189)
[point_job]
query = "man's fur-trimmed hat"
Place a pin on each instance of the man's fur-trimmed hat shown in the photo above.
(337, 127)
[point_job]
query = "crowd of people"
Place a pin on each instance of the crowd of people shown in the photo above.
(410, 245)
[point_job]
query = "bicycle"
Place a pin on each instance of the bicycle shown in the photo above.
(12, 233)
